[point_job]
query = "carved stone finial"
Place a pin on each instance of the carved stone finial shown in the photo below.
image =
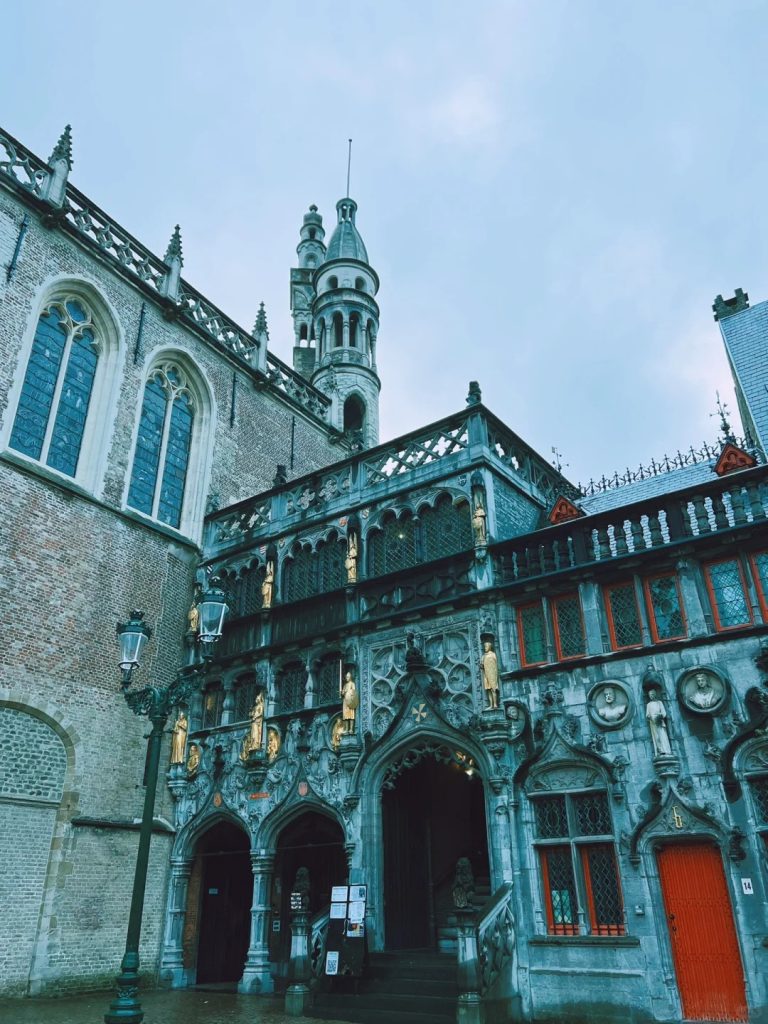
(727, 307)
(173, 252)
(475, 395)
(281, 475)
(63, 148)
(260, 325)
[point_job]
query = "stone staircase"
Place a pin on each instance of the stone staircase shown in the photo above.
(407, 987)
(447, 930)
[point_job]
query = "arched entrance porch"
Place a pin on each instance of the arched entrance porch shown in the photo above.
(433, 814)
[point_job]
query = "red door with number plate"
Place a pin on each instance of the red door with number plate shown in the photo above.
(705, 949)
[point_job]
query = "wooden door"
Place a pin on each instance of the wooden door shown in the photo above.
(705, 949)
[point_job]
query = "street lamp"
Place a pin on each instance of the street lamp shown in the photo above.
(156, 703)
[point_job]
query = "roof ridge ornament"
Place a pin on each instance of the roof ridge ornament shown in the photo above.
(63, 149)
(174, 251)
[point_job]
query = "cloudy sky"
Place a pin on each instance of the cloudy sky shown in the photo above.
(552, 192)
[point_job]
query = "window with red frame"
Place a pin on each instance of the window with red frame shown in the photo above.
(725, 583)
(623, 616)
(569, 627)
(579, 874)
(665, 608)
(532, 633)
(758, 787)
(760, 568)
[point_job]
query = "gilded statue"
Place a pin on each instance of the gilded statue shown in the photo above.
(252, 741)
(268, 586)
(490, 667)
(179, 739)
(349, 703)
(338, 728)
(479, 523)
(656, 714)
(193, 759)
(193, 618)
(350, 562)
(273, 744)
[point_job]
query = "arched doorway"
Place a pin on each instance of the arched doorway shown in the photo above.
(221, 891)
(432, 814)
(316, 842)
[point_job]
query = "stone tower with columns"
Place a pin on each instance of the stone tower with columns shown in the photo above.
(336, 321)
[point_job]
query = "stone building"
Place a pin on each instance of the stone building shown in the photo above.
(527, 718)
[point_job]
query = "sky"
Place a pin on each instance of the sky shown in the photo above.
(551, 192)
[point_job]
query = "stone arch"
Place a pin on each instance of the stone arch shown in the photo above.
(100, 420)
(355, 412)
(289, 811)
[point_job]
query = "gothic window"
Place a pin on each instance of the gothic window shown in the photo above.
(532, 633)
(725, 583)
(760, 570)
(298, 574)
(213, 704)
(330, 557)
(577, 857)
(446, 528)
(569, 627)
(328, 680)
(338, 330)
(291, 687)
(246, 690)
(623, 616)
(354, 413)
(161, 458)
(665, 609)
(244, 590)
(51, 415)
(393, 546)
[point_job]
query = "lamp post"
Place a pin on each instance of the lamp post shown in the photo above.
(156, 703)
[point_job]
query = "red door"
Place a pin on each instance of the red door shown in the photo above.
(700, 920)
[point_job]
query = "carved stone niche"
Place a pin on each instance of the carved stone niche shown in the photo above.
(703, 692)
(610, 704)
(563, 775)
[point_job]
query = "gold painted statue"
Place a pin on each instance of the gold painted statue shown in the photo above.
(179, 739)
(337, 731)
(350, 702)
(490, 666)
(268, 586)
(273, 744)
(252, 741)
(479, 524)
(350, 563)
(193, 618)
(193, 760)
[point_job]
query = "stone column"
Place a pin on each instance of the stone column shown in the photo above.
(297, 993)
(469, 1009)
(257, 976)
(172, 963)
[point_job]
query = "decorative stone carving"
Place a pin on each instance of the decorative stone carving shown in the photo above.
(610, 705)
(656, 715)
(274, 743)
(490, 670)
(702, 691)
(516, 715)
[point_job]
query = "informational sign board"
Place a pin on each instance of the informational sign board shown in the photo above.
(332, 963)
(345, 956)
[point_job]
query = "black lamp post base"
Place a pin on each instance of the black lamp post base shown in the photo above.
(125, 1008)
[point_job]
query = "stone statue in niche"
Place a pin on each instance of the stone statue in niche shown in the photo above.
(515, 715)
(253, 739)
(273, 744)
(702, 691)
(268, 586)
(179, 739)
(656, 714)
(193, 759)
(490, 669)
(350, 562)
(337, 731)
(193, 618)
(479, 527)
(349, 703)
(610, 704)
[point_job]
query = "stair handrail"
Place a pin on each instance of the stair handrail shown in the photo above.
(495, 936)
(318, 937)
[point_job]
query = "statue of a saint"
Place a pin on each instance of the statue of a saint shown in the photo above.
(490, 666)
(478, 523)
(268, 586)
(705, 696)
(611, 711)
(350, 563)
(193, 618)
(179, 739)
(273, 744)
(656, 714)
(252, 741)
(349, 703)
(193, 760)
(337, 731)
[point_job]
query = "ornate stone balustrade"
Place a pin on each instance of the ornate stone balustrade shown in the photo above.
(23, 167)
(318, 936)
(496, 937)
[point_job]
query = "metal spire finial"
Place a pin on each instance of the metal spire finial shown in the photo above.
(725, 426)
(349, 164)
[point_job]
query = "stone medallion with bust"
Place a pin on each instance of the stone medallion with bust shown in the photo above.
(609, 705)
(702, 691)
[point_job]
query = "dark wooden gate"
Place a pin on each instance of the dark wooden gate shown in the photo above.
(705, 949)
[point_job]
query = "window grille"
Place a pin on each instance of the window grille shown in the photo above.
(759, 789)
(331, 574)
(327, 681)
(161, 458)
(299, 575)
(246, 691)
(213, 701)
(667, 622)
(532, 632)
(250, 598)
(569, 627)
(760, 565)
(291, 687)
(50, 419)
(623, 616)
(393, 546)
(578, 872)
(726, 591)
(447, 529)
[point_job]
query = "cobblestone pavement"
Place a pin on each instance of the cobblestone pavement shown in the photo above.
(159, 1008)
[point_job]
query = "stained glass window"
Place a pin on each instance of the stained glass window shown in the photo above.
(161, 457)
(56, 393)
(667, 622)
(532, 632)
(623, 616)
(569, 627)
(760, 565)
(726, 591)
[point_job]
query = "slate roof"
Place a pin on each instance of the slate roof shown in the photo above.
(346, 244)
(746, 340)
(664, 483)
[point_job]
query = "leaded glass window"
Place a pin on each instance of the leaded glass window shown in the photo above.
(299, 574)
(330, 555)
(623, 616)
(533, 634)
(246, 690)
(447, 528)
(56, 393)
(291, 687)
(760, 565)
(580, 881)
(213, 703)
(726, 591)
(328, 681)
(161, 458)
(758, 786)
(667, 622)
(569, 627)
(393, 546)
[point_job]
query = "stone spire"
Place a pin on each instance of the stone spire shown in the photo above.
(260, 326)
(173, 252)
(174, 261)
(63, 149)
(260, 334)
(60, 163)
